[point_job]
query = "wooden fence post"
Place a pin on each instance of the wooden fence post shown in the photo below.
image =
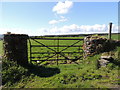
(110, 29)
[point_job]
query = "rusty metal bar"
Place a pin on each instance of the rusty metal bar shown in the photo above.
(42, 52)
(64, 56)
(44, 56)
(70, 46)
(52, 52)
(56, 39)
(51, 56)
(54, 59)
(30, 50)
(44, 45)
(55, 46)
(57, 50)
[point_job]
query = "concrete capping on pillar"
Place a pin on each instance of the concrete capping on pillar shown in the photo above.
(15, 48)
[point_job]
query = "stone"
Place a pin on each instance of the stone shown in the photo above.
(0, 57)
(88, 43)
(108, 58)
(105, 57)
(94, 44)
(103, 62)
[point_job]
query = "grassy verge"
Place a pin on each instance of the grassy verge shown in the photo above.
(82, 75)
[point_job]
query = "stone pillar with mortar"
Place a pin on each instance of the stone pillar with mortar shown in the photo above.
(15, 48)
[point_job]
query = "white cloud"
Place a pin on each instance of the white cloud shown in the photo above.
(62, 8)
(62, 20)
(67, 29)
(83, 29)
(58, 21)
(53, 22)
(16, 31)
(115, 27)
(62, 17)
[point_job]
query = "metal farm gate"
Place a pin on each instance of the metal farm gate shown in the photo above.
(46, 48)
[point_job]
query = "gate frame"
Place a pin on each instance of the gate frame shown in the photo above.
(56, 52)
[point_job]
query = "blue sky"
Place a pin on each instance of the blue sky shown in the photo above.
(40, 18)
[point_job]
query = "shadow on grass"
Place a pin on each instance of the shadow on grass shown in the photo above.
(13, 72)
(116, 62)
(42, 71)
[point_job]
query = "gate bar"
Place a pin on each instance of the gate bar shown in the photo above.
(70, 46)
(55, 59)
(55, 46)
(52, 52)
(30, 50)
(57, 50)
(44, 45)
(55, 38)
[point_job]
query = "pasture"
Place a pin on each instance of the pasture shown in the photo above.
(1, 47)
(82, 75)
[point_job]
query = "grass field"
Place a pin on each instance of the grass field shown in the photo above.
(114, 36)
(83, 75)
(1, 47)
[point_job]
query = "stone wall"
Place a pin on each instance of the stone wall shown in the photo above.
(96, 44)
(15, 48)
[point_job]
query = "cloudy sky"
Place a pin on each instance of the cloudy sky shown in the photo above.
(67, 17)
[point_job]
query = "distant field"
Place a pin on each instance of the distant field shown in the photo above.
(1, 51)
(114, 36)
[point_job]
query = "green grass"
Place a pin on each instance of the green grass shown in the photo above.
(114, 36)
(1, 47)
(83, 75)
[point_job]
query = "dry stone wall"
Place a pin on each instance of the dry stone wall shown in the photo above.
(15, 48)
(95, 44)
